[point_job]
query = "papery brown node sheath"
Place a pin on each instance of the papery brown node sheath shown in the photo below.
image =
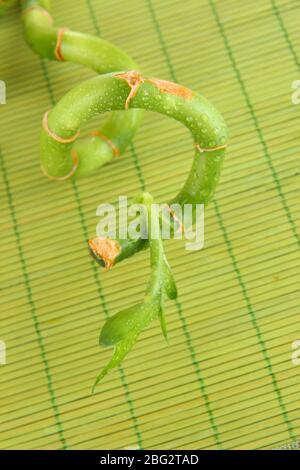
(58, 138)
(75, 159)
(210, 149)
(37, 8)
(57, 51)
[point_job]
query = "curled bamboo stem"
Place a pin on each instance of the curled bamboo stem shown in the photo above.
(127, 91)
(65, 45)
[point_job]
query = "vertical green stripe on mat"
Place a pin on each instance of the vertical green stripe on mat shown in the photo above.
(184, 323)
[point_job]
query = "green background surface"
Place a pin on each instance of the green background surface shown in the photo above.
(226, 380)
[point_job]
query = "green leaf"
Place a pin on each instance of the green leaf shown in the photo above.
(120, 351)
(122, 331)
(120, 325)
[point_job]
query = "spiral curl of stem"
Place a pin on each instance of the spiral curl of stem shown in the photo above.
(130, 90)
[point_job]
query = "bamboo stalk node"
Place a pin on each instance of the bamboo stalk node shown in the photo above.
(210, 149)
(106, 248)
(176, 219)
(40, 9)
(57, 51)
(61, 140)
(69, 175)
(134, 80)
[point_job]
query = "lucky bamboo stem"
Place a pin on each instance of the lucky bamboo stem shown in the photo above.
(64, 154)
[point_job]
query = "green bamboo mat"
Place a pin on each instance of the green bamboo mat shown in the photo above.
(226, 380)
